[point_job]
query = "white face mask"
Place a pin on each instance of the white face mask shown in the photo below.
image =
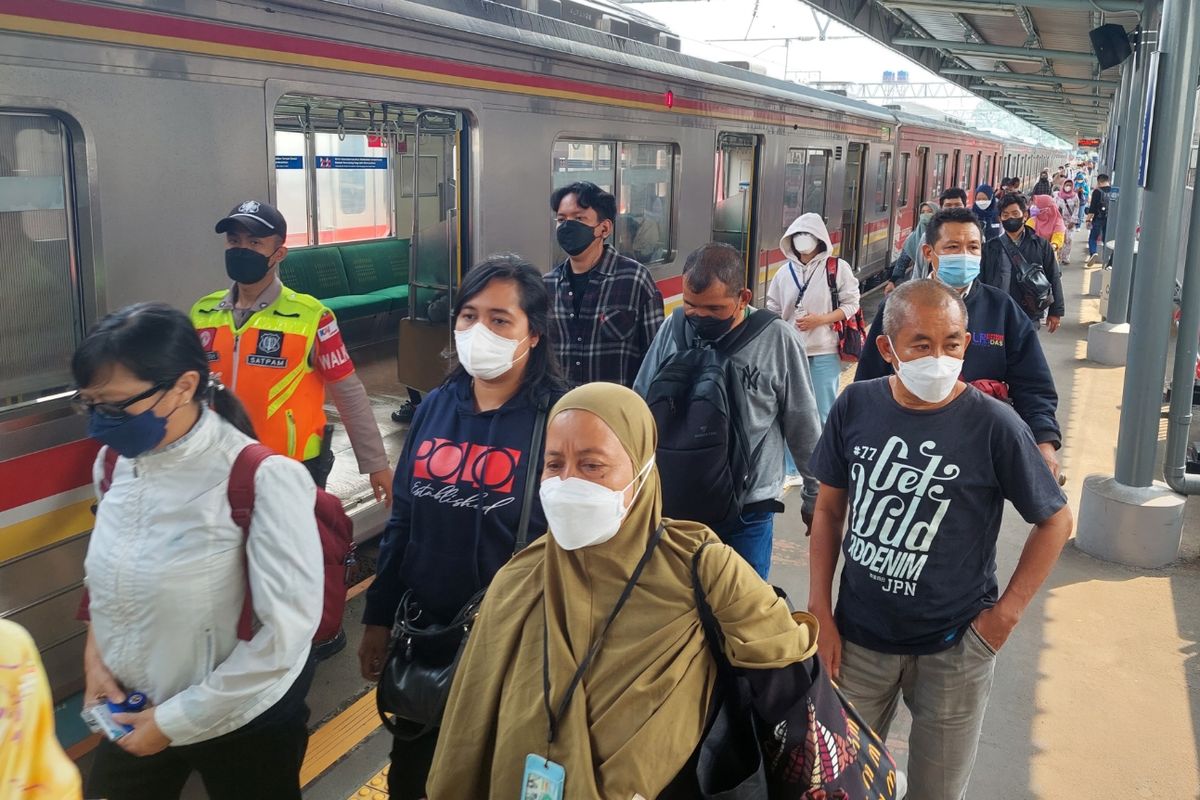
(804, 243)
(582, 513)
(485, 354)
(930, 378)
(983, 204)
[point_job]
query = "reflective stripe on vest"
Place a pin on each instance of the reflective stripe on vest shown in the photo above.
(266, 364)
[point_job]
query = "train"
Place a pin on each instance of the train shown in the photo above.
(432, 132)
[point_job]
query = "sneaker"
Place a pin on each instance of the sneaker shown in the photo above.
(404, 414)
(330, 647)
(793, 480)
(901, 785)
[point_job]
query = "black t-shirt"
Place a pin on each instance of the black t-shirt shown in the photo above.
(926, 492)
(578, 282)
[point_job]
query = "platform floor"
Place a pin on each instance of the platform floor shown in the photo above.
(1097, 693)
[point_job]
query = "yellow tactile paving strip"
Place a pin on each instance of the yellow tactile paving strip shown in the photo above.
(338, 736)
(374, 789)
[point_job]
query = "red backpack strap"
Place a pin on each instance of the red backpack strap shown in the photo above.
(241, 510)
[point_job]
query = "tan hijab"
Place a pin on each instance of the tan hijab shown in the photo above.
(639, 712)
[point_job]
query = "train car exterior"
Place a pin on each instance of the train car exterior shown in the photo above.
(127, 128)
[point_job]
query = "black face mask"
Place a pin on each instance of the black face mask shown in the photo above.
(574, 236)
(711, 328)
(243, 265)
(1013, 224)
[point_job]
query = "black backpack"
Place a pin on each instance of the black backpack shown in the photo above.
(704, 453)
(1034, 290)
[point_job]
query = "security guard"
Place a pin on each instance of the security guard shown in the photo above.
(278, 350)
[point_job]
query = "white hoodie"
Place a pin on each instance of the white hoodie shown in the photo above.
(784, 291)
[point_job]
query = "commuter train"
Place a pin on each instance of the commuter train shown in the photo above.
(402, 142)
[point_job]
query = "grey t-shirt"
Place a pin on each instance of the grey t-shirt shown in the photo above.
(926, 492)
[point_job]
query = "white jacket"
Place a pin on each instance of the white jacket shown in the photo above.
(166, 576)
(784, 291)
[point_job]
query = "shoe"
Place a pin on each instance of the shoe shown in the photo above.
(901, 785)
(793, 480)
(330, 647)
(404, 414)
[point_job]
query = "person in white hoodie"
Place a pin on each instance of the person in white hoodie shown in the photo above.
(800, 294)
(167, 571)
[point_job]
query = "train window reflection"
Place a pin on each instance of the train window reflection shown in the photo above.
(804, 179)
(882, 174)
(37, 247)
(939, 174)
(904, 157)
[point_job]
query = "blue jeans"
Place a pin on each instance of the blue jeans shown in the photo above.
(751, 535)
(1096, 234)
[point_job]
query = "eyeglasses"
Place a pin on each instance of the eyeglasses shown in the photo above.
(83, 406)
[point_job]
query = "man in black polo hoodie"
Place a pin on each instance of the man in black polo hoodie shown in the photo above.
(1005, 357)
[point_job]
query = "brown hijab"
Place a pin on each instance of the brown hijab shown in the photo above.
(639, 712)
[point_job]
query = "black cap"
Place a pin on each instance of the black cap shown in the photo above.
(261, 219)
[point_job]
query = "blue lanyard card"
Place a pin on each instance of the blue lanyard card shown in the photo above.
(543, 779)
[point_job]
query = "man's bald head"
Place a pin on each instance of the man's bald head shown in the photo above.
(916, 299)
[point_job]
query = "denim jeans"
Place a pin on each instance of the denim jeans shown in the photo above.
(1096, 235)
(751, 535)
(825, 372)
(946, 692)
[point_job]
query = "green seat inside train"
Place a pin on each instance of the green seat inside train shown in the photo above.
(356, 280)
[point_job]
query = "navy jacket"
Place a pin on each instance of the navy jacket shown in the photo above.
(457, 500)
(1004, 347)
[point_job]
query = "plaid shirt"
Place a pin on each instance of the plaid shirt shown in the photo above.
(622, 311)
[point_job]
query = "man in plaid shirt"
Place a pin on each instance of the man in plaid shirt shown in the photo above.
(605, 308)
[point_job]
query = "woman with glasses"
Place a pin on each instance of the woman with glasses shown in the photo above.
(168, 569)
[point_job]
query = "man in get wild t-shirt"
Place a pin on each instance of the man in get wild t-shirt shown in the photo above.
(923, 464)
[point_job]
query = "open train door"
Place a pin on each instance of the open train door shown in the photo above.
(428, 187)
(856, 157)
(734, 217)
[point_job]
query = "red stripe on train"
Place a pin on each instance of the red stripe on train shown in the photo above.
(46, 473)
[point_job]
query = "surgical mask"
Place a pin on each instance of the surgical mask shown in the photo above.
(574, 236)
(711, 328)
(1013, 224)
(925, 218)
(804, 243)
(930, 378)
(244, 265)
(957, 270)
(131, 435)
(582, 513)
(1035, 210)
(485, 354)
(983, 205)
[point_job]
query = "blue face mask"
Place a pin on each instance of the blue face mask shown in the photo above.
(129, 434)
(958, 269)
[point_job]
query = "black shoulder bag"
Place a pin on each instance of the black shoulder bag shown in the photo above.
(419, 669)
(1033, 286)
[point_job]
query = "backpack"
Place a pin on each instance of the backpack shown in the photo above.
(704, 454)
(851, 332)
(335, 529)
(1034, 290)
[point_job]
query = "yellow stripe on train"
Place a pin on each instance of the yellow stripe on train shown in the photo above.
(46, 529)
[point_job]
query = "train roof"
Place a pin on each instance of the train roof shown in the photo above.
(514, 26)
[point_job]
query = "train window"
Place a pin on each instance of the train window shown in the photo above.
(987, 176)
(805, 177)
(352, 188)
(645, 181)
(641, 175)
(904, 157)
(37, 246)
(939, 174)
(291, 191)
(968, 165)
(882, 174)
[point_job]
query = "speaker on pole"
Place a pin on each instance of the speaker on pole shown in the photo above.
(1111, 44)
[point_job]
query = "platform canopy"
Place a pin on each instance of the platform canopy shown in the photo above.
(1031, 57)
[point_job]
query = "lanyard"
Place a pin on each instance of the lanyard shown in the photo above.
(553, 717)
(807, 280)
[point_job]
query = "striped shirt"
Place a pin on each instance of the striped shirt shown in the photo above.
(622, 311)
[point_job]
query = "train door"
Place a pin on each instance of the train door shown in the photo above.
(856, 155)
(427, 192)
(922, 174)
(734, 197)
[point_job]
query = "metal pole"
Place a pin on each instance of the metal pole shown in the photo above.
(1116, 123)
(1150, 323)
(1179, 420)
(1129, 201)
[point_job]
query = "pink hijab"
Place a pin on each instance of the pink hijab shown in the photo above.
(1048, 220)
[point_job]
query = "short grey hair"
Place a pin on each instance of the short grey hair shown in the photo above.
(715, 262)
(902, 304)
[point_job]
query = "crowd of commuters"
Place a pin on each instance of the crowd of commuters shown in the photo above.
(951, 413)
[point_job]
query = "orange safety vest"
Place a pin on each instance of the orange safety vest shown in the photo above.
(266, 364)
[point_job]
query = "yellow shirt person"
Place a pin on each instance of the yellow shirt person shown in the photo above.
(33, 765)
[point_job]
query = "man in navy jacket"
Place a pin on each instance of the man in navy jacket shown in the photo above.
(1004, 345)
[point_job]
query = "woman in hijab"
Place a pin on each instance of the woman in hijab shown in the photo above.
(910, 252)
(618, 700)
(986, 212)
(1047, 222)
(1068, 208)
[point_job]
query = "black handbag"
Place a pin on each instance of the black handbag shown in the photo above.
(785, 733)
(1033, 285)
(415, 681)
